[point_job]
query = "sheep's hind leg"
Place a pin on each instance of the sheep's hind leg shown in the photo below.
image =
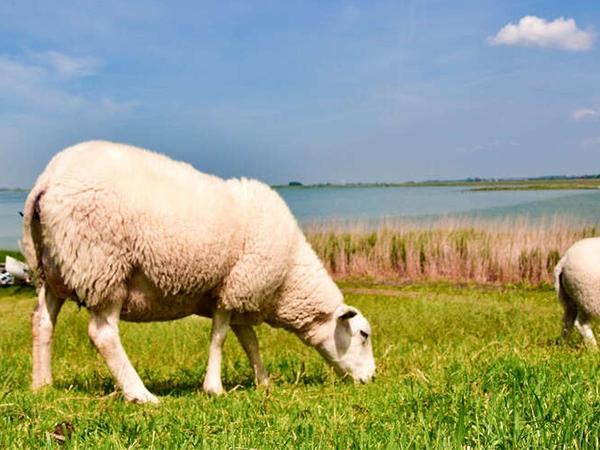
(104, 333)
(43, 320)
(212, 380)
(582, 323)
(568, 321)
(249, 342)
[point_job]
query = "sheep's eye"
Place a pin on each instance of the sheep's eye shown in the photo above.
(364, 334)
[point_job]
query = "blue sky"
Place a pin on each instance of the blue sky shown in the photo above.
(312, 91)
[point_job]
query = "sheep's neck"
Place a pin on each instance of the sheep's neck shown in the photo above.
(308, 297)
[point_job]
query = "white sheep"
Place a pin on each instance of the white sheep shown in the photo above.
(577, 284)
(134, 235)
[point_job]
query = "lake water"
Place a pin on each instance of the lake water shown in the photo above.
(358, 204)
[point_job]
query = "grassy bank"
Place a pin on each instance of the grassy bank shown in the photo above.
(457, 366)
(494, 252)
(14, 253)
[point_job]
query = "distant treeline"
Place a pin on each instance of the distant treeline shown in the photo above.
(543, 182)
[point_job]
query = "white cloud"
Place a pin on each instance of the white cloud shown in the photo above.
(585, 114)
(33, 87)
(532, 31)
(489, 146)
(13, 72)
(41, 113)
(65, 65)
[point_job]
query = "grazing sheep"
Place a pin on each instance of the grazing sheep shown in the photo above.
(134, 235)
(577, 284)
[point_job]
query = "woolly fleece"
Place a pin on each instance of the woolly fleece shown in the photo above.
(577, 276)
(116, 222)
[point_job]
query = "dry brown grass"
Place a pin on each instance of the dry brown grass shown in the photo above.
(458, 250)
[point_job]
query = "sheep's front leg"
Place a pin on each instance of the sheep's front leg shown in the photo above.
(212, 380)
(104, 332)
(43, 320)
(249, 342)
(582, 323)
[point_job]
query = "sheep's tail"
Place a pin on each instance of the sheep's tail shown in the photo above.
(31, 243)
(558, 284)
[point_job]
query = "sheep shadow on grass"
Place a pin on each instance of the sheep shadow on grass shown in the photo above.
(182, 383)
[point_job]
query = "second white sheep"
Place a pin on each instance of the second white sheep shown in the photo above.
(577, 284)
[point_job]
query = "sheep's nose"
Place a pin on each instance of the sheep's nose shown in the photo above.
(364, 380)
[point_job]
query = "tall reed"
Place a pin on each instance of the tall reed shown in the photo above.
(461, 250)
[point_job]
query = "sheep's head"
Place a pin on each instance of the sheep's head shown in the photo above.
(345, 342)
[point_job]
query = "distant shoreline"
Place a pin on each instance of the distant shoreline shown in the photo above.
(477, 185)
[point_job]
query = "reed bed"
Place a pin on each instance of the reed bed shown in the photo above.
(448, 249)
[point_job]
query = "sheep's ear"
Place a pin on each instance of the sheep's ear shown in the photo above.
(345, 312)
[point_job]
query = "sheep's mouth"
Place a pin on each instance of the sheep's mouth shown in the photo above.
(365, 380)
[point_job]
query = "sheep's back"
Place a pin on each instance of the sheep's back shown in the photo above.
(109, 209)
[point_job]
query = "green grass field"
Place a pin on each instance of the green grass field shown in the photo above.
(458, 367)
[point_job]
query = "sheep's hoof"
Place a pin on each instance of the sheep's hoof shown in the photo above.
(213, 388)
(141, 397)
(263, 383)
(38, 385)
